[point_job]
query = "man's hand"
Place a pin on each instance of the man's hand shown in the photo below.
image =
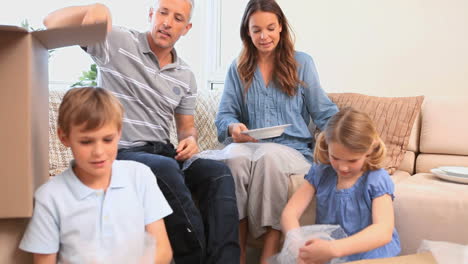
(187, 148)
(187, 135)
(235, 130)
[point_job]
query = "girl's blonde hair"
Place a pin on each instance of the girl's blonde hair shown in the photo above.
(355, 131)
(92, 106)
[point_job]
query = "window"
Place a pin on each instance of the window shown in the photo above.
(74, 58)
(224, 43)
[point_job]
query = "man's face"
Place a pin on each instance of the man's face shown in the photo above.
(169, 20)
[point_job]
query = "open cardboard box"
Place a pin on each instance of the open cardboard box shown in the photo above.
(24, 133)
(419, 258)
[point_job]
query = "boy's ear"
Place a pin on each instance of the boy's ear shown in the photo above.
(63, 137)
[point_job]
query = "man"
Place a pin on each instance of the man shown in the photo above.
(156, 86)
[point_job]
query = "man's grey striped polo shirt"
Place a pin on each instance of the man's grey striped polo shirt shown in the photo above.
(150, 95)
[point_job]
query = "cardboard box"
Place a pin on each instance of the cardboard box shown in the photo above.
(419, 258)
(24, 105)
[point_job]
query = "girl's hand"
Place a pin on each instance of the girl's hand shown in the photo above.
(235, 130)
(317, 251)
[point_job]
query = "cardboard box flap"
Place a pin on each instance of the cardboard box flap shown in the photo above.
(12, 28)
(68, 36)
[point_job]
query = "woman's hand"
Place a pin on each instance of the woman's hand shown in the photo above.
(317, 251)
(235, 130)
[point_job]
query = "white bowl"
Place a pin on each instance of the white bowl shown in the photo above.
(455, 171)
(443, 175)
(266, 132)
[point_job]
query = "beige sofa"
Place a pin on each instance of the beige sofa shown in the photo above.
(425, 206)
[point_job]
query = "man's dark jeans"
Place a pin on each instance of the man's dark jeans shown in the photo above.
(207, 234)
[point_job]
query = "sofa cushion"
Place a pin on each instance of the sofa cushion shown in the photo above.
(432, 209)
(426, 162)
(205, 114)
(418, 258)
(444, 126)
(59, 155)
(393, 116)
(399, 175)
(408, 162)
(413, 144)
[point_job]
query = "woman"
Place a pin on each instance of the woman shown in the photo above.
(269, 84)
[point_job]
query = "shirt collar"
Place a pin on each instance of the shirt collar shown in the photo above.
(81, 191)
(145, 49)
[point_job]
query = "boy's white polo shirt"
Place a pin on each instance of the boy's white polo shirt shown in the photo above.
(70, 218)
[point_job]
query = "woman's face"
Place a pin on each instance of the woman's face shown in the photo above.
(264, 30)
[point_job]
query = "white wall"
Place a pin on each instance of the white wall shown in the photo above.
(388, 48)
(377, 47)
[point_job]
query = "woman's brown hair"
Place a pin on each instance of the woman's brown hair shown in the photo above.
(355, 131)
(285, 65)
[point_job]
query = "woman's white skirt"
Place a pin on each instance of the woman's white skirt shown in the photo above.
(261, 173)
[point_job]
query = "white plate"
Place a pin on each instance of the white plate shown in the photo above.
(266, 132)
(455, 171)
(441, 174)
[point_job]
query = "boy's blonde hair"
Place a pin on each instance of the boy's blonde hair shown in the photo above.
(355, 131)
(92, 106)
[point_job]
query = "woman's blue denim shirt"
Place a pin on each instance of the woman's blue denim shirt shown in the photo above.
(265, 106)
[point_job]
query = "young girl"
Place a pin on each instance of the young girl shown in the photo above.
(351, 190)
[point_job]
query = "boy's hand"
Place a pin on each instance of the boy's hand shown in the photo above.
(187, 148)
(316, 251)
(235, 130)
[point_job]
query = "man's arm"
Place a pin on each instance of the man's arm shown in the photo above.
(187, 136)
(79, 15)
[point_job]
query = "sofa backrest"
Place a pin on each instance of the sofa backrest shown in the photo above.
(409, 161)
(205, 113)
(444, 133)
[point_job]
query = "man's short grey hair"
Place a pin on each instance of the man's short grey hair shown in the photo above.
(192, 4)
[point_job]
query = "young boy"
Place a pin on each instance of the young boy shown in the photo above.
(99, 207)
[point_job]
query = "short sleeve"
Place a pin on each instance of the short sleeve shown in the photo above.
(380, 183)
(188, 102)
(155, 204)
(42, 235)
(315, 174)
(100, 52)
